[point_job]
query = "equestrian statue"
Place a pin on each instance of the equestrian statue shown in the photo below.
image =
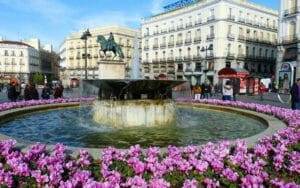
(110, 45)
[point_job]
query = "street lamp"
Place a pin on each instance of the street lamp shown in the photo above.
(84, 37)
(206, 48)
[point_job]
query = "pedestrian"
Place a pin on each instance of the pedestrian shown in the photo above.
(236, 88)
(197, 92)
(58, 92)
(295, 92)
(46, 92)
(207, 90)
(261, 90)
(27, 95)
(34, 93)
(227, 91)
(12, 94)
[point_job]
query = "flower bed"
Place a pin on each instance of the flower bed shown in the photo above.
(273, 162)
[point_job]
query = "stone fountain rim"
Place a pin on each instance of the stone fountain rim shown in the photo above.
(273, 124)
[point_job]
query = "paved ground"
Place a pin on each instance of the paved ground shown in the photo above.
(269, 98)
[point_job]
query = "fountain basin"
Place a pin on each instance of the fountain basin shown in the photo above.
(131, 113)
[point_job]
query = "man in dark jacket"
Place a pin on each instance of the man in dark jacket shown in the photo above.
(295, 92)
(12, 93)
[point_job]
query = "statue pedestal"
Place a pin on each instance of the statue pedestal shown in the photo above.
(112, 69)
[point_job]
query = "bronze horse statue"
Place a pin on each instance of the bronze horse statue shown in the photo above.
(110, 45)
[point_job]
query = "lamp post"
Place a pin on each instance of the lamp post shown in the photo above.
(206, 48)
(84, 37)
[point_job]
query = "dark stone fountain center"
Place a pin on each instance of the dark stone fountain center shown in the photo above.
(128, 103)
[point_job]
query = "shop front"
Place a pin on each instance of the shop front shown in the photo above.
(237, 76)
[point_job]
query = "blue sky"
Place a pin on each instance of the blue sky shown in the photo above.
(52, 20)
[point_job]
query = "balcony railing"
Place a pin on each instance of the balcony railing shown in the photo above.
(180, 27)
(155, 32)
(230, 55)
(163, 45)
(170, 59)
(242, 20)
(211, 18)
(146, 47)
(171, 44)
(171, 29)
(146, 34)
(187, 58)
(189, 25)
(230, 36)
(197, 40)
(290, 39)
(179, 43)
(197, 57)
(210, 36)
(230, 17)
(188, 41)
(155, 47)
(291, 11)
(241, 37)
(198, 22)
(180, 58)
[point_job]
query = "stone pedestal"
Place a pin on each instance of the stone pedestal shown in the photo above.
(111, 69)
(130, 113)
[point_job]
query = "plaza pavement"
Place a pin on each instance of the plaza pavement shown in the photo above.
(269, 98)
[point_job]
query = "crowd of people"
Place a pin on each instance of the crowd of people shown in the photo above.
(17, 92)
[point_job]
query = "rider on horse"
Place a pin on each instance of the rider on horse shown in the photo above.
(110, 41)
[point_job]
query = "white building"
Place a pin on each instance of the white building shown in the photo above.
(18, 60)
(289, 38)
(241, 35)
(73, 48)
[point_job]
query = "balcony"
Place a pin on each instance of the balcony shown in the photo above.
(249, 22)
(241, 56)
(230, 55)
(179, 43)
(170, 59)
(188, 41)
(163, 60)
(230, 17)
(146, 34)
(241, 37)
(197, 40)
(155, 61)
(180, 58)
(171, 29)
(180, 27)
(189, 25)
(230, 36)
(197, 57)
(155, 32)
(210, 37)
(163, 46)
(155, 47)
(146, 48)
(171, 44)
(211, 18)
(78, 46)
(291, 39)
(291, 11)
(187, 58)
(164, 31)
(242, 20)
(198, 22)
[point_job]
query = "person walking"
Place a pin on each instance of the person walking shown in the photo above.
(12, 94)
(295, 92)
(46, 92)
(227, 91)
(261, 90)
(27, 95)
(197, 92)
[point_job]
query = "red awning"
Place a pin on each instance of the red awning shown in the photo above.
(233, 73)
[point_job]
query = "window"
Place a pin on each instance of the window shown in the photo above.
(198, 51)
(21, 53)
(188, 36)
(164, 55)
(212, 30)
(180, 52)
(240, 49)
(255, 34)
(156, 42)
(247, 50)
(5, 53)
(179, 37)
(156, 55)
(241, 31)
(253, 51)
(229, 29)
(212, 12)
(189, 52)
(180, 67)
(228, 64)
(13, 53)
(260, 52)
(147, 56)
(229, 48)
(262, 35)
(230, 12)
(198, 33)
(266, 52)
(272, 53)
(164, 40)
(171, 53)
(171, 39)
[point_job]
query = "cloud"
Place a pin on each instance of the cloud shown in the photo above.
(156, 6)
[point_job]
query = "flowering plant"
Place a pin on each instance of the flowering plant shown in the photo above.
(273, 162)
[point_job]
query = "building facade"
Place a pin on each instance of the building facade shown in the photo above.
(289, 39)
(195, 41)
(18, 60)
(73, 48)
